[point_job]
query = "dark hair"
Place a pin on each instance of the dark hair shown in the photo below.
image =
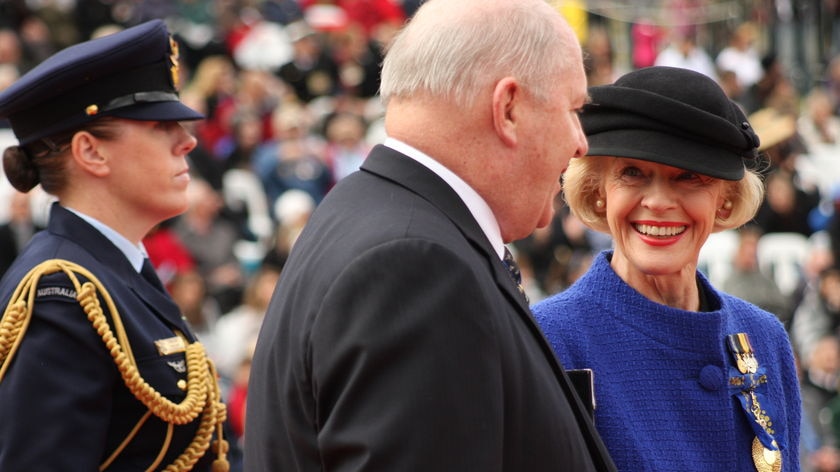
(44, 162)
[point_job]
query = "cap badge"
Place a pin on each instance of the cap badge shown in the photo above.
(173, 58)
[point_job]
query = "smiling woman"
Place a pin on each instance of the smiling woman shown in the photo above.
(687, 378)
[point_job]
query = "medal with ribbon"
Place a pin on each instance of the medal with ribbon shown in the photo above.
(747, 384)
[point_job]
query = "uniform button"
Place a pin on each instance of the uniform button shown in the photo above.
(711, 378)
(182, 384)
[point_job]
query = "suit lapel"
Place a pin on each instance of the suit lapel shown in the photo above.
(398, 168)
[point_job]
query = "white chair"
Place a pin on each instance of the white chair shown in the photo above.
(716, 255)
(782, 256)
(242, 189)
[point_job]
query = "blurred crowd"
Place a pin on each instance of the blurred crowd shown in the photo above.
(289, 90)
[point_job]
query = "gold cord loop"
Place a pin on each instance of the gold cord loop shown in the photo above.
(202, 391)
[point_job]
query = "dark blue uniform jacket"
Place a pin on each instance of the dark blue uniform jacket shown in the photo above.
(63, 404)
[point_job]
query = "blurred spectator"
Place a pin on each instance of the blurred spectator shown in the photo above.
(197, 27)
(11, 52)
(558, 253)
(346, 147)
(646, 38)
(819, 128)
(263, 45)
(210, 240)
(818, 125)
(257, 93)
(366, 13)
(246, 205)
(741, 57)
(203, 163)
(786, 208)
(833, 224)
(167, 253)
(789, 198)
(748, 282)
(236, 150)
(729, 83)
(312, 71)
(818, 258)
(38, 41)
(237, 329)
(781, 144)
(819, 392)
(358, 60)
(294, 158)
(213, 83)
(189, 291)
(599, 58)
(818, 314)
(18, 230)
(773, 89)
(684, 52)
(292, 211)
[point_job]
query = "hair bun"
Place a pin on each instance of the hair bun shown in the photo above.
(19, 168)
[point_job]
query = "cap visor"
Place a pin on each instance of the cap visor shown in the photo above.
(158, 111)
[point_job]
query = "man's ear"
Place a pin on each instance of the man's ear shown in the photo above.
(87, 153)
(507, 98)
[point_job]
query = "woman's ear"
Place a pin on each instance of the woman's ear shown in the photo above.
(725, 210)
(88, 155)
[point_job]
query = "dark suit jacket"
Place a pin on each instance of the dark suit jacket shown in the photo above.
(63, 404)
(396, 341)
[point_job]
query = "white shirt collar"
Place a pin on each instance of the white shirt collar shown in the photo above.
(135, 254)
(477, 206)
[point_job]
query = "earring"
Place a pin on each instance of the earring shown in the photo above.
(599, 204)
(727, 205)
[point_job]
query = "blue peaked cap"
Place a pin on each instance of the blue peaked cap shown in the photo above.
(130, 74)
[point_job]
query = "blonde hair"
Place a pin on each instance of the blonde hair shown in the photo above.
(583, 182)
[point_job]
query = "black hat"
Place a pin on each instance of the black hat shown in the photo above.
(671, 116)
(130, 74)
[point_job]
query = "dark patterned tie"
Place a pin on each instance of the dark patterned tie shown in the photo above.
(513, 269)
(148, 272)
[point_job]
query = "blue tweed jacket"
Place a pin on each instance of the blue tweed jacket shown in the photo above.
(663, 377)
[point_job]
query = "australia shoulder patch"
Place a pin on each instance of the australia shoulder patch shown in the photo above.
(55, 292)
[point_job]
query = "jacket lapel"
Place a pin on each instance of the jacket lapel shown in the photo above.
(398, 168)
(67, 225)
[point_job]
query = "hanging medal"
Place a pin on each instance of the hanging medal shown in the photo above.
(765, 451)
